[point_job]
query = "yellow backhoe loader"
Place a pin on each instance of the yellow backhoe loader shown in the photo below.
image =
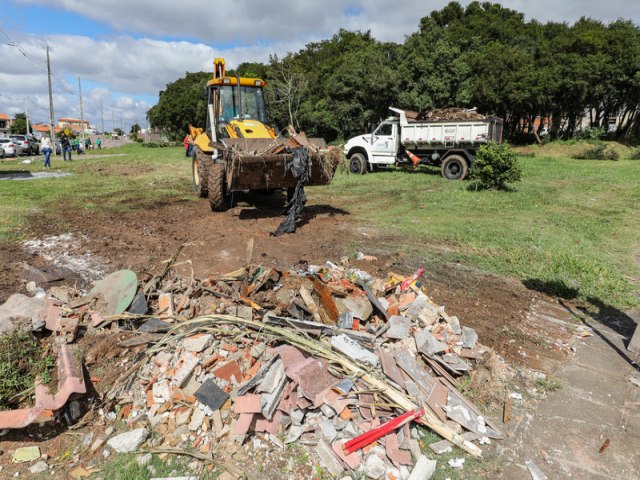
(238, 149)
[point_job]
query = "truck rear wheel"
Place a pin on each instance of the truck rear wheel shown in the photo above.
(200, 163)
(358, 164)
(217, 188)
(454, 167)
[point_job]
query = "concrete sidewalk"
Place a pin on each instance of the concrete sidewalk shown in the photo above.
(570, 427)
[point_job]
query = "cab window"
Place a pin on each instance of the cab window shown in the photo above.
(385, 129)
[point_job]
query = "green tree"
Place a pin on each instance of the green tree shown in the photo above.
(19, 124)
(180, 104)
(135, 129)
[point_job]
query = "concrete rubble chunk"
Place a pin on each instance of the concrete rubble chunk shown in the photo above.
(534, 471)
(39, 467)
(19, 305)
(426, 343)
(128, 441)
(328, 459)
(398, 327)
(26, 454)
(185, 366)
(423, 469)
(294, 433)
(269, 400)
(197, 417)
(273, 378)
(197, 343)
(353, 350)
(374, 466)
(469, 337)
(359, 305)
(329, 432)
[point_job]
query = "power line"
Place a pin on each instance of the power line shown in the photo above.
(41, 65)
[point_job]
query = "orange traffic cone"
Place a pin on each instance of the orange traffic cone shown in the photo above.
(413, 157)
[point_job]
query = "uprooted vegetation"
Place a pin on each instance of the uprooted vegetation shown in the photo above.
(22, 358)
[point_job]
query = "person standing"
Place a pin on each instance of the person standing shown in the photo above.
(187, 146)
(99, 143)
(45, 146)
(65, 145)
(87, 144)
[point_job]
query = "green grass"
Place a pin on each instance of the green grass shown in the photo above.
(570, 227)
(135, 178)
(125, 467)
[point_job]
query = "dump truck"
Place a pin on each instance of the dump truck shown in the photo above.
(448, 138)
(239, 150)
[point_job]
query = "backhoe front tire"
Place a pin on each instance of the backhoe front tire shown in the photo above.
(454, 167)
(217, 188)
(358, 164)
(200, 165)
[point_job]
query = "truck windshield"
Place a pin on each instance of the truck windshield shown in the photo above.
(253, 104)
(384, 129)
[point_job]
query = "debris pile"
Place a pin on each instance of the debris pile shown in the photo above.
(323, 356)
(443, 114)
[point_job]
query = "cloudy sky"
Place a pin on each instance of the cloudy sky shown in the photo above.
(125, 51)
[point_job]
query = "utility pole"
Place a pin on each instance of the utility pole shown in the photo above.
(113, 123)
(81, 111)
(121, 124)
(52, 131)
(26, 114)
(102, 116)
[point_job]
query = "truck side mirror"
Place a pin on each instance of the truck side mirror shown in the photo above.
(205, 93)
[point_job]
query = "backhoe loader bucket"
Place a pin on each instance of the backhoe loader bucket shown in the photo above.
(253, 166)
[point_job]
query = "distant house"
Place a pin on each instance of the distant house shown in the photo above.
(41, 129)
(5, 125)
(73, 124)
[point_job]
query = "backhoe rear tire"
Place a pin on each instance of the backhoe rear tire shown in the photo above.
(217, 187)
(200, 165)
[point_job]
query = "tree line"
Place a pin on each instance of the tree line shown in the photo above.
(484, 56)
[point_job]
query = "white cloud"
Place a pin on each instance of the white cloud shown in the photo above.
(119, 70)
(248, 21)
(127, 72)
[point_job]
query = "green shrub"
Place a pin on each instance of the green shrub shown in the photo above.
(590, 134)
(635, 154)
(598, 152)
(496, 166)
(160, 144)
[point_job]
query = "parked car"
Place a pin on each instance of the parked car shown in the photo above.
(8, 147)
(27, 144)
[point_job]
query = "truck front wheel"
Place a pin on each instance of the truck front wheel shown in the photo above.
(454, 167)
(358, 164)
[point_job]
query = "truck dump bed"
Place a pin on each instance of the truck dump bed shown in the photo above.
(454, 127)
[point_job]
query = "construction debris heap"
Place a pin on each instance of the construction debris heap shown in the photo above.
(323, 356)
